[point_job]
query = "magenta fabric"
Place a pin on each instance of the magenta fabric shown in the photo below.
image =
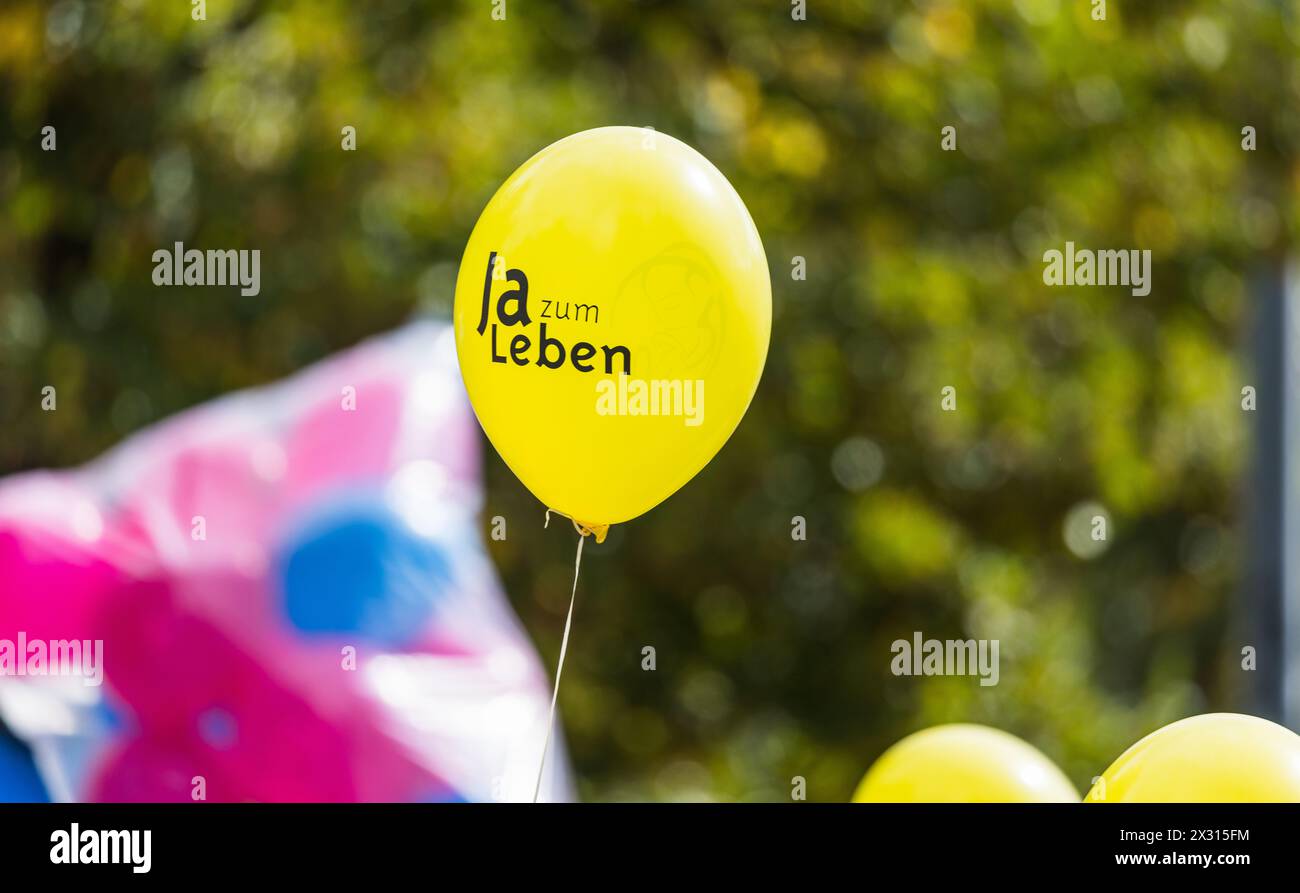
(292, 597)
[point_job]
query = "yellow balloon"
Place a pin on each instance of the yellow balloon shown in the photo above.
(1213, 758)
(964, 763)
(612, 317)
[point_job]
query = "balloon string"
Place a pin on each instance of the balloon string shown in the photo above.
(559, 667)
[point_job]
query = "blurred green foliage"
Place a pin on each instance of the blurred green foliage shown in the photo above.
(924, 270)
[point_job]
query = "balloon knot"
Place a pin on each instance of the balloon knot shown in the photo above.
(599, 531)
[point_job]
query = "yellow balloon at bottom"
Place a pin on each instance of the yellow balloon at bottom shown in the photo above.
(964, 764)
(1213, 758)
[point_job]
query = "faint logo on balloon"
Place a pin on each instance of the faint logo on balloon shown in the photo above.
(674, 301)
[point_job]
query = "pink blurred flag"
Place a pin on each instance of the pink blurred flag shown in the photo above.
(279, 596)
